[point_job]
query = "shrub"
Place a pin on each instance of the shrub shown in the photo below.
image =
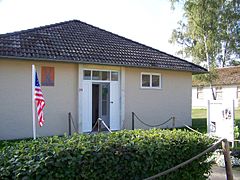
(124, 154)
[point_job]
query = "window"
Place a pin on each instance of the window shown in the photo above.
(105, 75)
(87, 75)
(146, 80)
(200, 93)
(114, 76)
(105, 98)
(155, 81)
(150, 80)
(97, 75)
(218, 93)
(238, 92)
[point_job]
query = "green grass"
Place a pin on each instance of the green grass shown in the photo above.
(199, 113)
(199, 119)
(237, 118)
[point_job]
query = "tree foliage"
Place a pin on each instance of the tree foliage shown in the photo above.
(209, 32)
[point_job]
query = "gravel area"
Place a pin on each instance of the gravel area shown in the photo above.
(218, 173)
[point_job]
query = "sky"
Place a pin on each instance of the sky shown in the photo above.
(149, 22)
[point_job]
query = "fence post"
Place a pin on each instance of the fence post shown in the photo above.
(99, 124)
(69, 124)
(173, 122)
(227, 159)
(132, 120)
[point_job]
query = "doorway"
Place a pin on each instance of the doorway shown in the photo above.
(99, 97)
(101, 103)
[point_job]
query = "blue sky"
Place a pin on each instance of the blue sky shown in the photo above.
(147, 21)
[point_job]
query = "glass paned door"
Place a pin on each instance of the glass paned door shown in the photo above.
(104, 101)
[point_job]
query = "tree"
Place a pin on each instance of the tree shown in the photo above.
(209, 31)
(229, 33)
(209, 34)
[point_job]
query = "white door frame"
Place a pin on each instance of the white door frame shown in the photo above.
(81, 98)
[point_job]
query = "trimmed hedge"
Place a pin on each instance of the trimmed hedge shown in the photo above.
(124, 154)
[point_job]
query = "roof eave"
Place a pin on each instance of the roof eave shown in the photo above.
(200, 72)
(107, 64)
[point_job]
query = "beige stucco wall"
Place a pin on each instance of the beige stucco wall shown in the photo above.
(15, 98)
(151, 105)
(157, 105)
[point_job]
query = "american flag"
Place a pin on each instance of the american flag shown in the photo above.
(40, 102)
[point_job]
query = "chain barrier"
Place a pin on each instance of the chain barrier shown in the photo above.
(149, 125)
(74, 127)
(70, 121)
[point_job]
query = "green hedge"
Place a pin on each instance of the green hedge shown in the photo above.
(125, 154)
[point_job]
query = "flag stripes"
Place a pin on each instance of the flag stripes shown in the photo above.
(40, 102)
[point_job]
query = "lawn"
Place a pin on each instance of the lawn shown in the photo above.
(199, 119)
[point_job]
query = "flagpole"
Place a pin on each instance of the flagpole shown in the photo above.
(33, 102)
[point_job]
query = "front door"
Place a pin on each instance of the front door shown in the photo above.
(100, 103)
(100, 99)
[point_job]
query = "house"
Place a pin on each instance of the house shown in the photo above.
(91, 73)
(226, 87)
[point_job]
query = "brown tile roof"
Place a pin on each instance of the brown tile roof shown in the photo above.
(78, 42)
(226, 76)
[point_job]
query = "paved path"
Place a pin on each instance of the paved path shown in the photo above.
(220, 174)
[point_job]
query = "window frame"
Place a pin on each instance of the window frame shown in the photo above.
(238, 92)
(101, 70)
(219, 90)
(151, 75)
(200, 92)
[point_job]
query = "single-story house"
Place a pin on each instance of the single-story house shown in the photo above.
(226, 87)
(91, 73)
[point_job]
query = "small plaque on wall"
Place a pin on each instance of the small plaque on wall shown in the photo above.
(47, 74)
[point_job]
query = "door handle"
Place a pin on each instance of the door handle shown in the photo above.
(111, 102)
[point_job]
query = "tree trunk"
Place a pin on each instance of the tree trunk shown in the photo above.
(213, 93)
(224, 52)
(206, 52)
(208, 64)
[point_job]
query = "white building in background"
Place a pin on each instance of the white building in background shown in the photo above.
(226, 87)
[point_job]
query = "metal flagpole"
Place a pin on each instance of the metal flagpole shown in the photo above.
(33, 102)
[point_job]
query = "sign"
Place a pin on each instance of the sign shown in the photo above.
(47, 78)
(220, 121)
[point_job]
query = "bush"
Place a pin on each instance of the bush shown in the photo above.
(124, 154)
